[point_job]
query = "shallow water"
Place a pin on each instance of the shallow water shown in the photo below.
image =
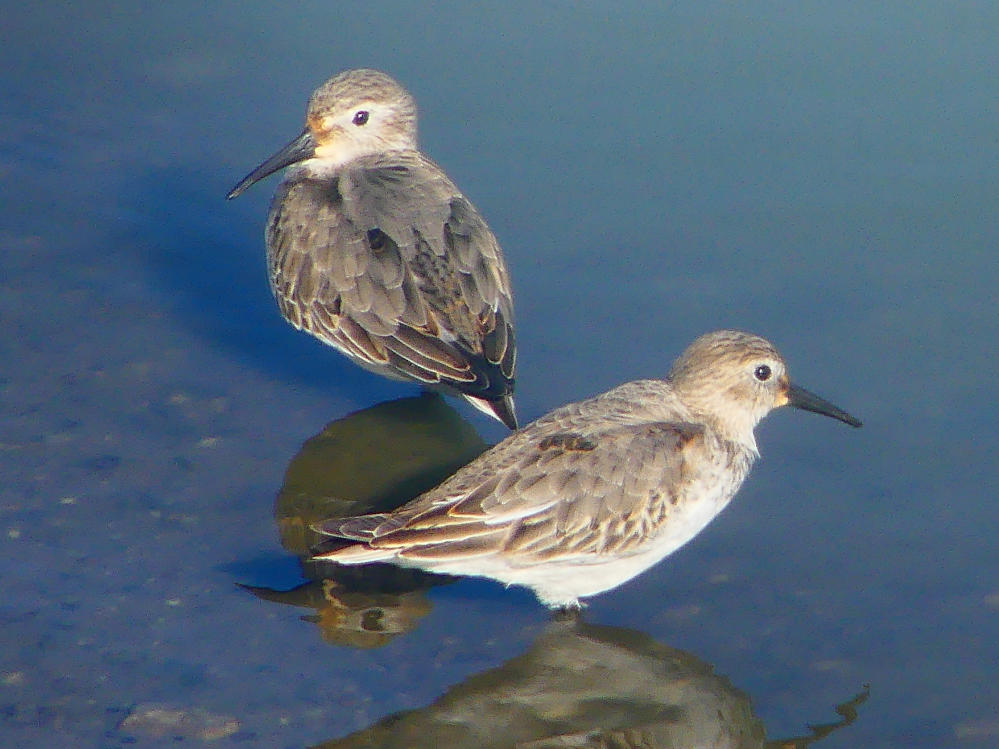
(819, 173)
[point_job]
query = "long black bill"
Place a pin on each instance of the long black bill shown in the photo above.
(300, 149)
(806, 401)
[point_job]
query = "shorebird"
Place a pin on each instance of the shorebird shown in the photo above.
(373, 250)
(598, 491)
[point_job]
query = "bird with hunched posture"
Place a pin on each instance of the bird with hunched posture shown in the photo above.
(596, 492)
(373, 250)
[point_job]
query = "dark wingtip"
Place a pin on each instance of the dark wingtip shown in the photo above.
(505, 412)
(356, 528)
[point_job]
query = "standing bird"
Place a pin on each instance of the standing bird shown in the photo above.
(596, 492)
(373, 250)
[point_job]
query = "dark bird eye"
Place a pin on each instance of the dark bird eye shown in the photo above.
(361, 118)
(762, 373)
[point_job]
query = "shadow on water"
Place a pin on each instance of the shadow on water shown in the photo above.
(577, 685)
(209, 256)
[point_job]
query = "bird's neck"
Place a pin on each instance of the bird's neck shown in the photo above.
(734, 425)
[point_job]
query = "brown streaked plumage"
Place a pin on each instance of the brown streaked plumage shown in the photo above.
(597, 491)
(373, 250)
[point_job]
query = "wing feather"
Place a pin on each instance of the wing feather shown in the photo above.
(393, 266)
(541, 495)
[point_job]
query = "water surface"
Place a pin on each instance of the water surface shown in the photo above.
(822, 174)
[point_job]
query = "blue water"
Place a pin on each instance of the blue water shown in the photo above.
(823, 174)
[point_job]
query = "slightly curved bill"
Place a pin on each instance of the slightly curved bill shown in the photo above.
(300, 149)
(806, 401)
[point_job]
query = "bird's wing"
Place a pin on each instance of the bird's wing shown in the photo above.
(547, 494)
(395, 267)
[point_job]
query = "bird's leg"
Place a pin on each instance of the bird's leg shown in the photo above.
(570, 612)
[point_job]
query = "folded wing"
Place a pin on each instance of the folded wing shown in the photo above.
(540, 497)
(393, 266)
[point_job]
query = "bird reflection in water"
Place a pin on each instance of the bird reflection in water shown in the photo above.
(579, 685)
(582, 685)
(373, 460)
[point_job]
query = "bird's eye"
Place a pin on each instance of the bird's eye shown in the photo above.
(762, 373)
(361, 118)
